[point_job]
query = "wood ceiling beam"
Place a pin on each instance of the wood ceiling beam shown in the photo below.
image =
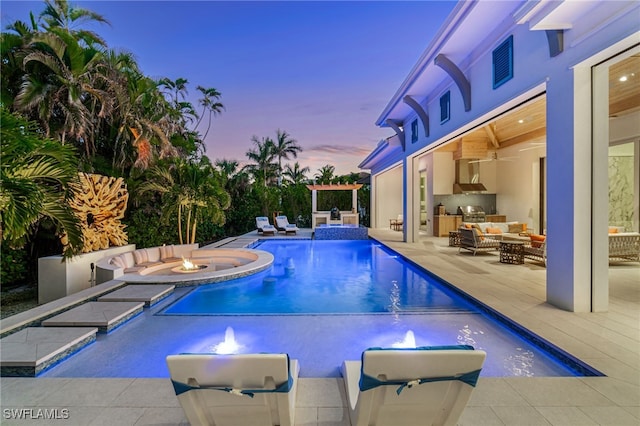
(525, 137)
(492, 136)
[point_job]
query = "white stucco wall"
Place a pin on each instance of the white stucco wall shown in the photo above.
(388, 188)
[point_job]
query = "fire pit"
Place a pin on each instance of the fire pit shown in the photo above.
(188, 267)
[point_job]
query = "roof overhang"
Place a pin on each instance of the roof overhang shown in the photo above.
(464, 30)
(385, 148)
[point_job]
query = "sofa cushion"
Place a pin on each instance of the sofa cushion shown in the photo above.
(140, 256)
(491, 230)
(117, 261)
(537, 240)
(478, 233)
(516, 228)
(502, 226)
(153, 254)
(166, 252)
(128, 259)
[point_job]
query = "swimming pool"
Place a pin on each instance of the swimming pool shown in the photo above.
(325, 277)
(321, 341)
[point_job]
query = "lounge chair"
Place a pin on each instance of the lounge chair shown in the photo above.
(536, 249)
(264, 227)
(425, 385)
(282, 224)
(473, 240)
(242, 389)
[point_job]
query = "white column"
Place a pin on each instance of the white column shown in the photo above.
(354, 200)
(600, 205)
(314, 201)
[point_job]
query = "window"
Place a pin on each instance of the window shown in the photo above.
(414, 131)
(445, 107)
(503, 63)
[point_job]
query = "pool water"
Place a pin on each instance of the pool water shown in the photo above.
(322, 302)
(325, 277)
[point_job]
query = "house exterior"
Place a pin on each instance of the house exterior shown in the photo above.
(536, 100)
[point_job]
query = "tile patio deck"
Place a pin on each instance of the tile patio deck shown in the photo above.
(608, 341)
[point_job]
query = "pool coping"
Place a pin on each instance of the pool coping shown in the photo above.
(66, 303)
(582, 368)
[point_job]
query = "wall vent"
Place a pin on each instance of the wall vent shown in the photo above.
(414, 131)
(445, 107)
(503, 63)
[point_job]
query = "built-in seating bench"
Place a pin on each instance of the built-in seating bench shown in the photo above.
(142, 260)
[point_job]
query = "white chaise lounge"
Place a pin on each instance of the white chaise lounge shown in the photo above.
(282, 224)
(246, 389)
(421, 386)
(264, 227)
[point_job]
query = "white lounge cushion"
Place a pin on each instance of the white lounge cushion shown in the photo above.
(242, 389)
(421, 386)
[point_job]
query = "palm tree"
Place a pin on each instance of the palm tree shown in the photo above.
(208, 102)
(193, 191)
(12, 50)
(284, 146)
(295, 174)
(60, 14)
(36, 174)
(227, 168)
(60, 87)
(325, 174)
(263, 167)
(174, 90)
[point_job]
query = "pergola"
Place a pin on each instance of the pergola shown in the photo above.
(324, 217)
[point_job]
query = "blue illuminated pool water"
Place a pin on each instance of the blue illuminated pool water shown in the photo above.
(333, 300)
(325, 277)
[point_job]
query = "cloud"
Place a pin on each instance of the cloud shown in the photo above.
(340, 149)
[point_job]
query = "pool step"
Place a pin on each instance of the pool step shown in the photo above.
(104, 315)
(238, 242)
(149, 294)
(34, 349)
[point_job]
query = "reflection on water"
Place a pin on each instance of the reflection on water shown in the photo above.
(465, 336)
(521, 363)
(394, 306)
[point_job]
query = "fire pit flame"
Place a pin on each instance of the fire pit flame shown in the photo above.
(188, 265)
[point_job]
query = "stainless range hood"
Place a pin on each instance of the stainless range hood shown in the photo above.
(468, 178)
(468, 188)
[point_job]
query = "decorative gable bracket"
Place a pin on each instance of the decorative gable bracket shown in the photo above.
(458, 77)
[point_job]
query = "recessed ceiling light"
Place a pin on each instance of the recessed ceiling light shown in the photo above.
(623, 78)
(521, 121)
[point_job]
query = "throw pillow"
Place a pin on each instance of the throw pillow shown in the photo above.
(537, 240)
(613, 230)
(490, 230)
(117, 261)
(140, 256)
(517, 228)
(166, 252)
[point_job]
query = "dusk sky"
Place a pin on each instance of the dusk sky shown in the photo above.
(322, 71)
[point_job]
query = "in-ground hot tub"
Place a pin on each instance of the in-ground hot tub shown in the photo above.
(341, 232)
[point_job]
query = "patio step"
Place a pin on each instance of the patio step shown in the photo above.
(34, 349)
(149, 294)
(104, 315)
